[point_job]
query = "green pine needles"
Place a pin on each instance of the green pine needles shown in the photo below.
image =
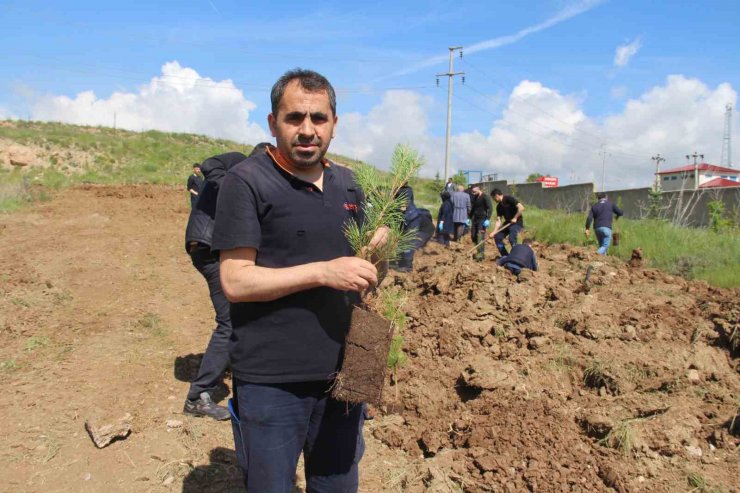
(383, 206)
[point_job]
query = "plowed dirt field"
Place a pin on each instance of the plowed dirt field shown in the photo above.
(624, 382)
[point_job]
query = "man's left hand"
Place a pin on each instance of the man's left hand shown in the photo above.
(379, 239)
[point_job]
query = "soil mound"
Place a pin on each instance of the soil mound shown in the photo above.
(622, 379)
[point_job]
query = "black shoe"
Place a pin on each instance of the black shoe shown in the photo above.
(206, 407)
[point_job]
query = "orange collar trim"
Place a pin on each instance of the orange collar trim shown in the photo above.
(278, 158)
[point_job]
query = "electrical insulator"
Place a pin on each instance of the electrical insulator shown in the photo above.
(437, 81)
(463, 79)
(460, 53)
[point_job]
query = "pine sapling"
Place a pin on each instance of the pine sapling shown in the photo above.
(368, 343)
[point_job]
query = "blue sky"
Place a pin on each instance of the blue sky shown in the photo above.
(544, 85)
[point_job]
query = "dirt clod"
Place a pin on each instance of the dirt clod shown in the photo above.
(364, 366)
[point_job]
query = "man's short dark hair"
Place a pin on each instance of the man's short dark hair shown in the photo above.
(601, 195)
(196, 165)
(527, 241)
(495, 192)
(309, 80)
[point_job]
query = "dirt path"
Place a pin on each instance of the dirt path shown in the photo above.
(101, 315)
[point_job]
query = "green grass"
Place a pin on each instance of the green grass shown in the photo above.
(697, 483)
(9, 365)
(621, 437)
(36, 342)
(690, 252)
(391, 302)
(152, 324)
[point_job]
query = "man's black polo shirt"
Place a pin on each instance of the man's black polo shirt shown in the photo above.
(507, 209)
(290, 222)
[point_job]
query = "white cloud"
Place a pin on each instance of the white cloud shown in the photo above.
(625, 52)
(401, 117)
(528, 137)
(674, 119)
(542, 130)
(179, 100)
(618, 92)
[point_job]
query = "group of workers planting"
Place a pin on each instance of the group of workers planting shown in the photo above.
(267, 234)
(471, 210)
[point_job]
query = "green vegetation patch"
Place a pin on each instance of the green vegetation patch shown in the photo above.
(693, 253)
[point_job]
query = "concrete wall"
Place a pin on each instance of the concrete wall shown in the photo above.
(571, 198)
(689, 208)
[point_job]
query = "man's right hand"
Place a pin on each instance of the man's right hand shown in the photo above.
(587, 233)
(349, 274)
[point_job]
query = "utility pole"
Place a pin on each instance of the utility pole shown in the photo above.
(450, 74)
(114, 120)
(696, 167)
(603, 165)
(727, 138)
(657, 160)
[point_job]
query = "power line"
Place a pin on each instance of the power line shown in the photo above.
(600, 138)
(206, 82)
(572, 138)
(576, 145)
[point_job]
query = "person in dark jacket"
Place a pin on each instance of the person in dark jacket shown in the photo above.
(521, 257)
(602, 213)
(412, 222)
(195, 184)
(509, 220)
(480, 218)
(445, 224)
(198, 234)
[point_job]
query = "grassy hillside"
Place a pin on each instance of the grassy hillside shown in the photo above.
(79, 154)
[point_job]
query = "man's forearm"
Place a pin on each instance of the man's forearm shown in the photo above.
(250, 283)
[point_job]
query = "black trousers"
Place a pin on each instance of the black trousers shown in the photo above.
(216, 358)
(478, 234)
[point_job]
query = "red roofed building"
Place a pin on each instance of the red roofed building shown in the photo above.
(720, 183)
(709, 176)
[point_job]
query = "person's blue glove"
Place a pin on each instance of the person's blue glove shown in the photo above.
(467, 222)
(441, 225)
(486, 223)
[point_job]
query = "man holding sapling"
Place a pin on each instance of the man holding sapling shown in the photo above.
(291, 277)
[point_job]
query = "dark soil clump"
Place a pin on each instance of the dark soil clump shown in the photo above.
(362, 376)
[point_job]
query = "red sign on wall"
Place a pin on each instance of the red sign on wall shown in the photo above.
(548, 181)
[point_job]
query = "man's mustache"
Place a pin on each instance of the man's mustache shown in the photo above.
(313, 141)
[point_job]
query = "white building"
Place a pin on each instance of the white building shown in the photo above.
(709, 176)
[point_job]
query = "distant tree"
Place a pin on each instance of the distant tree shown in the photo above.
(438, 183)
(533, 177)
(459, 179)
